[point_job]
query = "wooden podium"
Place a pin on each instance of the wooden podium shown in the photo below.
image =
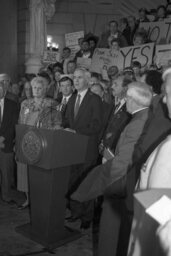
(49, 155)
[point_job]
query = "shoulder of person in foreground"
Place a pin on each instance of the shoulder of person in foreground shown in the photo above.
(160, 174)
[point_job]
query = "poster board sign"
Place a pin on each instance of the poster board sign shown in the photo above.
(51, 57)
(158, 32)
(103, 58)
(163, 54)
(84, 63)
(72, 38)
(71, 41)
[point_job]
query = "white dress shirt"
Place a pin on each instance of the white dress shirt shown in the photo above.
(82, 94)
(66, 99)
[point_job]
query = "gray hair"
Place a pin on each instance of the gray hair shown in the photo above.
(86, 73)
(141, 93)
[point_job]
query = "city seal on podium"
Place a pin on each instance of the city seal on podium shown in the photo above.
(32, 146)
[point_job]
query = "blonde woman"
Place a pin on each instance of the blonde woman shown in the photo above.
(38, 111)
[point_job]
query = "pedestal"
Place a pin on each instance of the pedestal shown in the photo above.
(48, 204)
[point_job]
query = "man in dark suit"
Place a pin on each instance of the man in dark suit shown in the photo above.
(66, 88)
(84, 116)
(115, 213)
(106, 107)
(110, 178)
(119, 117)
(8, 119)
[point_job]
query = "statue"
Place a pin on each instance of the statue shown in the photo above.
(40, 12)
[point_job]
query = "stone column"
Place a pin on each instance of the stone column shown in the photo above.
(40, 11)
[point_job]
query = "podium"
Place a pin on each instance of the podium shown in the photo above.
(49, 155)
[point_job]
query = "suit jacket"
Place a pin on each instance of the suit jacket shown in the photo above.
(87, 122)
(64, 108)
(155, 131)
(157, 128)
(102, 176)
(9, 120)
(116, 124)
(106, 111)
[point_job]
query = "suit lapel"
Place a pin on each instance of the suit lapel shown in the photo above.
(72, 107)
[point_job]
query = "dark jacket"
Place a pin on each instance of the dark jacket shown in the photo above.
(9, 120)
(87, 122)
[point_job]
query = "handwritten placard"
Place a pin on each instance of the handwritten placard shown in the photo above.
(72, 38)
(104, 58)
(51, 57)
(158, 32)
(163, 54)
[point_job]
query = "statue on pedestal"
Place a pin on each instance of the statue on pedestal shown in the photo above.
(40, 11)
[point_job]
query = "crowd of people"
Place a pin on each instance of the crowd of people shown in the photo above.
(127, 120)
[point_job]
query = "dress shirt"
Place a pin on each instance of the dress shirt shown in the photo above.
(82, 94)
(86, 55)
(119, 105)
(65, 99)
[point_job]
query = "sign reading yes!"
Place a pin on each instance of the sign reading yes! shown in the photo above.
(142, 53)
(104, 58)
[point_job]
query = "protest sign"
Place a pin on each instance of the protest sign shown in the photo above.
(158, 32)
(71, 41)
(84, 63)
(72, 38)
(103, 58)
(51, 57)
(163, 54)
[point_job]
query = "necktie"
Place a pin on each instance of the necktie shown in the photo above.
(63, 105)
(117, 107)
(77, 105)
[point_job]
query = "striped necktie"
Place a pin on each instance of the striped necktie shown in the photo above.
(63, 105)
(77, 105)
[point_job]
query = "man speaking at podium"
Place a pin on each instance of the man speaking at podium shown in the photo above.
(83, 116)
